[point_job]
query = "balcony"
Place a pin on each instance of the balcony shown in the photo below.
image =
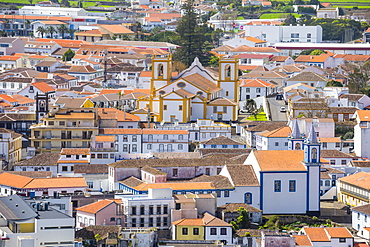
(354, 194)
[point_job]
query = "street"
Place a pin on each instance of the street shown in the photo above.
(276, 114)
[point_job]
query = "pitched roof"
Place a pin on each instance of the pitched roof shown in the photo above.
(81, 69)
(218, 181)
(95, 207)
(74, 151)
(308, 76)
(90, 168)
(317, 234)
(242, 175)
(152, 170)
(222, 101)
(364, 115)
(338, 232)
(13, 180)
(63, 182)
(280, 160)
(360, 179)
(351, 97)
(334, 153)
(233, 207)
(363, 209)
(43, 159)
(255, 83)
(280, 132)
(43, 87)
(221, 140)
(201, 82)
(302, 240)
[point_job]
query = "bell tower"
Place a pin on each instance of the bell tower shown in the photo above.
(312, 162)
(228, 78)
(295, 140)
(161, 72)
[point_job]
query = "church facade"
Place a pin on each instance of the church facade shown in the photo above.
(195, 93)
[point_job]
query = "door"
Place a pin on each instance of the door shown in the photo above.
(161, 147)
(169, 148)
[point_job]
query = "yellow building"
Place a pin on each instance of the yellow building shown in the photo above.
(188, 229)
(66, 128)
(354, 190)
(10, 148)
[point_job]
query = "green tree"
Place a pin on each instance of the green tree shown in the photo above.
(317, 52)
(243, 218)
(333, 83)
(68, 55)
(66, 3)
(51, 30)
(213, 61)
(62, 29)
(290, 20)
(71, 31)
(251, 106)
(358, 82)
(191, 36)
(41, 30)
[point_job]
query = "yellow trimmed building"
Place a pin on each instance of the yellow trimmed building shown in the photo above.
(195, 93)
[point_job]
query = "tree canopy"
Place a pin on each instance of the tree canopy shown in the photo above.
(68, 55)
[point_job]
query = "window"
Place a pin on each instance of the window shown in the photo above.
(235, 146)
(218, 193)
(180, 147)
(344, 162)
(150, 221)
(294, 35)
(62, 123)
(248, 198)
(208, 171)
(327, 182)
(151, 209)
(133, 223)
(133, 210)
(324, 144)
(134, 148)
(247, 90)
(165, 221)
(218, 170)
(165, 137)
(165, 209)
(181, 137)
(358, 216)
(342, 240)
(165, 107)
(365, 218)
(175, 172)
(213, 146)
(159, 210)
(292, 184)
(51, 122)
(142, 220)
(134, 138)
(180, 107)
(158, 221)
(332, 162)
(125, 138)
(195, 231)
(64, 168)
(215, 109)
(125, 148)
(185, 231)
(224, 109)
(223, 231)
(309, 36)
(337, 144)
(112, 219)
(213, 231)
(224, 146)
(277, 185)
(226, 193)
(90, 185)
(142, 210)
(149, 146)
(276, 144)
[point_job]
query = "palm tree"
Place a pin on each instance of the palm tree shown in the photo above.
(42, 31)
(71, 32)
(62, 29)
(51, 30)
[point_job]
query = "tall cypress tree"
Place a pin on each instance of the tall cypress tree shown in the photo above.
(191, 38)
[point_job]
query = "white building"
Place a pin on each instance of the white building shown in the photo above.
(37, 224)
(273, 140)
(10, 147)
(254, 88)
(152, 210)
(361, 220)
(362, 134)
(329, 236)
(289, 175)
(52, 11)
(202, 130)
(276, 34)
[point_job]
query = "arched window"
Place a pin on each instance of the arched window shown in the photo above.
(165, 137)
(160, 70)
(228, 71)
(181, 137)
(248, 198)
(297, 146)
(314, 154)
(327, 182)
